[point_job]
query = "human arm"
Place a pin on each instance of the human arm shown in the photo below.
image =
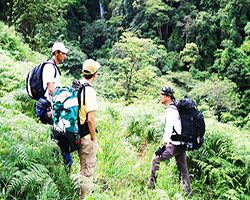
(50, 87)
(91, 124)
(51, 78)
(171, 117)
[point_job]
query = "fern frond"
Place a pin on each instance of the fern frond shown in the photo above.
(34, 175)
(76, 178)
(28, 179)
(248, 184)
(16, 182)
(19, 157)
(48, 191)
(204, 166)
(231, 194)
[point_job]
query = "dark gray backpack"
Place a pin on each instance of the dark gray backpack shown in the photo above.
(193, 124)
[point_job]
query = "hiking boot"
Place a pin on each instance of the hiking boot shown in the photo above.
(151, 183)
(187, 191)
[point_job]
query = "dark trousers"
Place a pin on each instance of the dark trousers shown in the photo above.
(179, 153)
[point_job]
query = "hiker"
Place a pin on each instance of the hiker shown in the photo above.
(170, 148)
(88, 146)
(50, 82)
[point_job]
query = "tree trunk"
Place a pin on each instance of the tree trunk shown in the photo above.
(129, 82)
(167, 29)
(10, 12)
(159, 31)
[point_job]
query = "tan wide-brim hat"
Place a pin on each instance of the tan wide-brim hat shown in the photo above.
(90, 66)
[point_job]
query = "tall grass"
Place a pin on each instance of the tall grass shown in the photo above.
(31, 166)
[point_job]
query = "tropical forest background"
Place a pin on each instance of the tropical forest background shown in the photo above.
(199, 48)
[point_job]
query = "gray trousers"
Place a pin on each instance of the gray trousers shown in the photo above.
(179, 153)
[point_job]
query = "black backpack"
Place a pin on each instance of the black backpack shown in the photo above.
(193, 124)
(34, 80)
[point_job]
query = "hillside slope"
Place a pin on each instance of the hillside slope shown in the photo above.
(31, 166)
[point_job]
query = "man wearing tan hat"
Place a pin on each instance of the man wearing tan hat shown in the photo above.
(88, 146)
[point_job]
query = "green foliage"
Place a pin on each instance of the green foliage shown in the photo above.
(246, 47)
(91, 42)
(30, 164)
(219, 94)
(233, 18)
(189, 56)
(220, 166)
(75, 58)
(23, 103)
(41, 17)
(27, 165)
(156, 13)
(133, 62)
(233, 63)
(8, 81)
(76, 17)
(206, 38)
(11, 42)
(183, 80)
(143, 126)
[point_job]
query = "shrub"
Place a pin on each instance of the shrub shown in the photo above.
(219, 165)
(219, 94)
(11, 42)
(144, 125)
(75, 58)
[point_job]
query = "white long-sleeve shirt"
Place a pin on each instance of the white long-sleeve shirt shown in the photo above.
(172, 119)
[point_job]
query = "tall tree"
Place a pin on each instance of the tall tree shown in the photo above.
(31, 16)
(233, 63)
(133, 63)
(189, 56)
(233, 18)
(5, 10)
(220, 94)
(205, 26)
(156, 12)
(77, 17)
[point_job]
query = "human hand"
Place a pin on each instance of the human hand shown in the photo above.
(160, 151)
(49, 114)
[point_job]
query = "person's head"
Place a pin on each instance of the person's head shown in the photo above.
(59, 52)
(89, 68)
(167, 95)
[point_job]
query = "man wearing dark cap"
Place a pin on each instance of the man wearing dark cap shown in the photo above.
(170, 148)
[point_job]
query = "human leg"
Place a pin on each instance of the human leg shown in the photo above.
(181, 162)
(87, 157)
(155, 164)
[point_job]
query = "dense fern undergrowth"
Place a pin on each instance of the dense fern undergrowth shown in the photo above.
(31, 166)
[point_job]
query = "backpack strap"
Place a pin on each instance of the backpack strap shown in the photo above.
(54, 65)
(82, 89)
(84, 130)
(173, 105)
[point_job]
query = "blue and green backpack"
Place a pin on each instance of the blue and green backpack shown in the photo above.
(65, 116)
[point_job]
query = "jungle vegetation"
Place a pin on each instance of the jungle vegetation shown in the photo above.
(200, 48)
